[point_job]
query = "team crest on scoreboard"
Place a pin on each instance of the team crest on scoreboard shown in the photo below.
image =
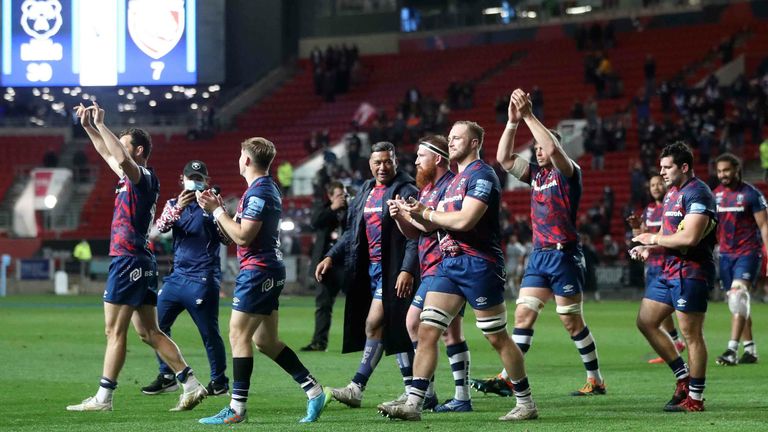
(156, 26)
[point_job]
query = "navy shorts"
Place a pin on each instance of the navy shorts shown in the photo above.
(652, 272)
(374, 271)
(258, 291)
(421, 294)
(685, 295)
(131, 281)
(479, 281)
(561, 271)
(744, 267)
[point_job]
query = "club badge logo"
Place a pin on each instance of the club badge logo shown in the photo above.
(156, 26)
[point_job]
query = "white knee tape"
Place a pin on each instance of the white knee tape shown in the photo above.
(738, 299)
(519, 167)
(436, 317)
(492, 324)
(531, 302)
(574, 309)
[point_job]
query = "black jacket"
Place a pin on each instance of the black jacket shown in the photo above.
(398, 254)
(324, 222)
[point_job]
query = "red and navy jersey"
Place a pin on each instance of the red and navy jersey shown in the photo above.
(477, 181)
(737, 230)
(429, 248)
(372, 213)
(697, 262)
(652, 221)
(261, 202)
(134, 213)
(554, 203)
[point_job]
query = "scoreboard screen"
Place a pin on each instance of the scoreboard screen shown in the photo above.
(98, 42)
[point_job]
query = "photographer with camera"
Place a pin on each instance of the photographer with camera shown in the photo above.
(195, 279)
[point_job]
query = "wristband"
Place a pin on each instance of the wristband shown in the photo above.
(511, 125)
(424, 213)
(218, 212)
(430, 216)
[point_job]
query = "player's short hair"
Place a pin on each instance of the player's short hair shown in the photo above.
(680, 153)
(733, 159)
(383, 146)
(261, 150)
(139, 137)
(475, 130)
(332, 186)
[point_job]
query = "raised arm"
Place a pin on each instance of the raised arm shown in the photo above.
(549, 144)
(505, 153)
(115, 148)
(86, 120)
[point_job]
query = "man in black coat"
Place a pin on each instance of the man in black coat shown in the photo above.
(327, 220)
(381, 266)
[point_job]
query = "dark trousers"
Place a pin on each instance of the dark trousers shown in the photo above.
(327, 290)
(201, 300)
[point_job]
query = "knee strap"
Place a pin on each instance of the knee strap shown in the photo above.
(436, 317)
(573, 309)
(492, 324)
(738, 299)
(531, 302)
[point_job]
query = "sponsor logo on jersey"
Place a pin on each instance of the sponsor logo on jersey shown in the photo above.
(681, 303)
(481, 301)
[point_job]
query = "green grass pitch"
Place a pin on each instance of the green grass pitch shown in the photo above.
(51, 351)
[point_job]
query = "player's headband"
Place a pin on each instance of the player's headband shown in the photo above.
(434, 149)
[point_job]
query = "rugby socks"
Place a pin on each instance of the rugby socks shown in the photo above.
(418, 391)
(405, 363)
(522, 391)
(371, 356)
(431, 389)
(289, 361)
(750, 347)
(242, 367)
(588, 351)
(187, 379)
(106, 387)
(522, 338)
(679, 368)
(674, 335)
(458, 356)
(733, 345)
(696, 388)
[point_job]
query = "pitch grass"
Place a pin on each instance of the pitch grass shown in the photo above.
(51, 350)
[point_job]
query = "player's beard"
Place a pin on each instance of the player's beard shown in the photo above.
(425, 176)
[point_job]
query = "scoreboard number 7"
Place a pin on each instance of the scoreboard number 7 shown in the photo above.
(157, 69)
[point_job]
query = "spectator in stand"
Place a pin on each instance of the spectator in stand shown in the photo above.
(285, 176)
(610, 249)
(649, 70)
(637, 181)
(609, 36)
(665, 96)
(50, 159)
(591, 261)
(643, 105)
(590, 111)
(577, 110)
(596, 36)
